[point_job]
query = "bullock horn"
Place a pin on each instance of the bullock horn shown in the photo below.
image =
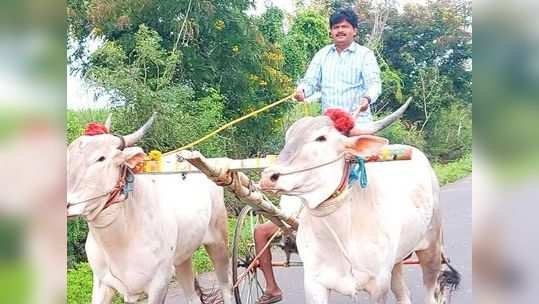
(108, 122)
(386, 121)
(132, 138)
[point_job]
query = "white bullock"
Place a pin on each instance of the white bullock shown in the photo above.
(354, 239)
(136, 242)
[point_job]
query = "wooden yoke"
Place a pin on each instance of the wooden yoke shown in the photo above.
(241, 185)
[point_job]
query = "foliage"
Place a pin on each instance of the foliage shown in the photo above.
(271, 25)
(307, 35)
(429, 47)
(450, 137)
(76, 238)
(401, 133)
(453, 171)
(79, 284)
(161, 55)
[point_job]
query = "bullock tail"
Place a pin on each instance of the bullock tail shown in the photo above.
(208, 295)
(448, 281)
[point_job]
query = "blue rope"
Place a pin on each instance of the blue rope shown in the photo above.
(358, 172)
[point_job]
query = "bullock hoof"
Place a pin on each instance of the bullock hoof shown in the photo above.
(268, 299)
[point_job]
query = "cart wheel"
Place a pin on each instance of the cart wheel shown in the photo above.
(243, 252)
(442, 295)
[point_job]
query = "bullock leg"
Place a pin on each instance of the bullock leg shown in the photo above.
(315, 293)
(157, 292)
(219, 256)
(398, 286)
(186, 279)
(101, 293)
(378, 289)
(431, 262)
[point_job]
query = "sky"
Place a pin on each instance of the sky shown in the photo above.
(80, 96)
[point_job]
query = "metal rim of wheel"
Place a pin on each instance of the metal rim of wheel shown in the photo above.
(250, 288)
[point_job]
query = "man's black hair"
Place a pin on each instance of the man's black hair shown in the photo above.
(343, 15)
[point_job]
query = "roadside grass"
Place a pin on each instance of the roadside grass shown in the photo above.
(453, 171)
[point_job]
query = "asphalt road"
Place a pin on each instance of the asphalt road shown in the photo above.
(456, 201)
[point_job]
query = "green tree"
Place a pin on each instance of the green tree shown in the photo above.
(307, 35)
(182, 50)
(271, 25)
(141, 82)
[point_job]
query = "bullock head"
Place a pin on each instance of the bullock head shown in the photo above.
(94, 166)
(310, 164)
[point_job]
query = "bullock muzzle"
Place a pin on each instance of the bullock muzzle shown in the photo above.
(269, 179)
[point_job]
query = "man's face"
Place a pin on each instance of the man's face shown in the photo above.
(343, 33)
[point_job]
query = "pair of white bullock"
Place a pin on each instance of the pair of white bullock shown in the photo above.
(137, 240)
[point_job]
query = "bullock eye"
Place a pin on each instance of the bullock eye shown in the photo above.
(321, 138)
(102, 158)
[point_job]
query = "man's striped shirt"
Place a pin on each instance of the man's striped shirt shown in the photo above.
(343, 79)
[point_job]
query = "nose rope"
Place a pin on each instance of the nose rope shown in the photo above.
(124, 185)
(313, 167)
(89, 199)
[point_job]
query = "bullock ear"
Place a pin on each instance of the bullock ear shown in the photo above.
(131, 156)
(364, 145)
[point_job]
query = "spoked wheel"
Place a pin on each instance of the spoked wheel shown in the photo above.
(249, 288)
(442, 296)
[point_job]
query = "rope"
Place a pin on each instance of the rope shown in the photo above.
(256, 258)
(305, 109)
(314, 167)
(229, 124)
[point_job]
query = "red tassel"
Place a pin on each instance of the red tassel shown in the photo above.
(94, 128)
(343, 121)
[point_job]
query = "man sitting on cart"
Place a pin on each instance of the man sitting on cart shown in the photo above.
(347, 76)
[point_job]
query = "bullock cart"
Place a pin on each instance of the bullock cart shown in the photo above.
(227, 173)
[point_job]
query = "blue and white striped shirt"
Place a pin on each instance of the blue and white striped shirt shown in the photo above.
(343, 78)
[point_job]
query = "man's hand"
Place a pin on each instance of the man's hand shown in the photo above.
(363, 106)
(300, 95)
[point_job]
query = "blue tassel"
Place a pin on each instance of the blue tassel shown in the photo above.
(358, 172)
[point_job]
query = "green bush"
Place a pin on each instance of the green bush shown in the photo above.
(77, 230)
(453, 171)
(450, 135)
(399, 133)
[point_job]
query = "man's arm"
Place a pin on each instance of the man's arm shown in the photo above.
(311, 81)
(371, 76)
